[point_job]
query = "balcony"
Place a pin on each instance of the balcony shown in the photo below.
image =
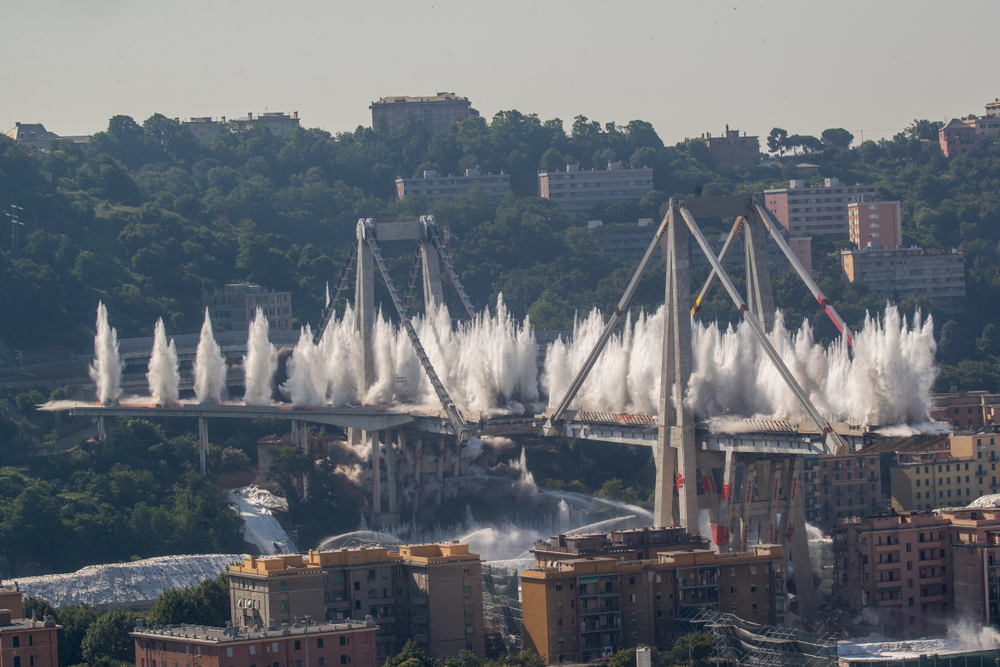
(420, 638)
(882, 548)
(895, 565)
(609, 609)
(890, 603)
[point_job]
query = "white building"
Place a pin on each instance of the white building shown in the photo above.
(578, 191)
(435, 186)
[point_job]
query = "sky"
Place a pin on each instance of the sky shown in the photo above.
(689, 68)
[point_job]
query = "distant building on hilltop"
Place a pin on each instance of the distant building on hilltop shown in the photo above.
(35, 137)
(437, 112)
(821, 209)
(906, 273)
(206, 128)
(578, 191)
(627, 241)
(732, 150)
(234, 307)
(875, 224)
(958, 137)
(434, 186)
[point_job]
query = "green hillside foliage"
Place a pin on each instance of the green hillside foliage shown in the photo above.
(148, 219)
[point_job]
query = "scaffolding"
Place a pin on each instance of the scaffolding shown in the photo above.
(502, 619)
(739, 642)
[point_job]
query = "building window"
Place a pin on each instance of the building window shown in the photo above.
(558, 587)
(736, 607)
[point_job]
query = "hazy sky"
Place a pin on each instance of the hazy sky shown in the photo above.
(687, 67)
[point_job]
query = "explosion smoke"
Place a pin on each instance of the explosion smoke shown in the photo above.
(106, 369)
(260, 362)
(209, 366)
(163, 376)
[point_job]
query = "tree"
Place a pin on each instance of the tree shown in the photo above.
(205, 604)
(695, 646)
(989, 342)
(33, 607)
(75, 621)
(776, 140)
(107, 638)
(837, 137)
(411, 656)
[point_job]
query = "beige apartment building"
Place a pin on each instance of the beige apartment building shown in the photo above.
(434, 186)
(578, 191)
(234, 307)
(875, 224)
(637, 588)
(953, 473)
(802, 208)
(430, 593)
(916, 571)
(906, 273)
(731, 150)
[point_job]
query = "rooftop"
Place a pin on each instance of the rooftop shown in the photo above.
(406, 99)
(203, 634)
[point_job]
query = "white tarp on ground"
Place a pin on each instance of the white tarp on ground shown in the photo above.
(261, 528)
(989, 501)
(121, 583)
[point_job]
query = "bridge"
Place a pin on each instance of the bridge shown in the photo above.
(745, 474)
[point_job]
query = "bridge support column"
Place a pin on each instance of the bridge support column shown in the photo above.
(458, 455)
(725, 494)
(440, 471)
(760, 295)
(390, 470)
(202, 443)
(102, 432)
(797, 541)
(676, 421)
(417, 470)
(431, 270)
(373, 438)
(364, 308)
(300, 439)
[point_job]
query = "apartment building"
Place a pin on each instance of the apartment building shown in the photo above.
(990, 122)
(206, 128)
(627, 241)
(233, 308)
(966, 410)
(597, 597)
(821, 209)
(903, 273)
(25, 642)
(430, 593)
(434, 186)
(959, 137)
(319, 644)
(576, 191)
(914, 571)
(838, 487)
(875, 224)
(437, 112)
(731, 150)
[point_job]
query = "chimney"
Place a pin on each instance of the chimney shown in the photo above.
(295, 115)
(4, 617)
(250, 115)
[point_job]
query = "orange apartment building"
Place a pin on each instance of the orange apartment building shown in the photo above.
(822, 209)
(958, 137)
(634, 589)
(875, 224)
(915, 570)
(430, 593)
(25, 642)
(316, 644)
